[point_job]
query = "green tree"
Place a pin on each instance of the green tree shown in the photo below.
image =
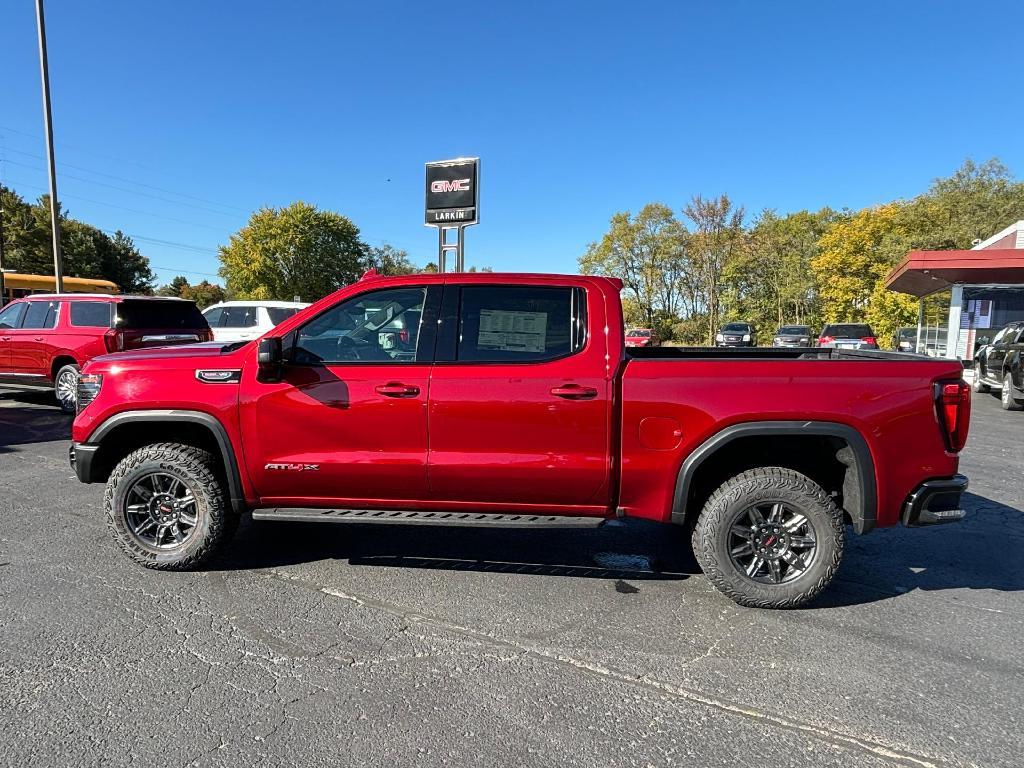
(175, 288)
(294, 251)
(648, 253)
(204, 294)
(86, 251)
(388, 260)
(716, 238)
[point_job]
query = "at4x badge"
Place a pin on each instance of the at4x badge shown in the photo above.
(292, 467)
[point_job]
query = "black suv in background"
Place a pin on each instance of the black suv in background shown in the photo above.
(998, 365)
(793, 336)
(736, 335)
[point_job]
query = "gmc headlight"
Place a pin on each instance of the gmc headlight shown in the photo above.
(89, 385)
(777, 340)
(719, 337)
(746, 337)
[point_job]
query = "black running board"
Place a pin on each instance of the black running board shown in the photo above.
(416, 517)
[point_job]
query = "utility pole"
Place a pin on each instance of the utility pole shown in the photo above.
(58, 271)
(3, 291)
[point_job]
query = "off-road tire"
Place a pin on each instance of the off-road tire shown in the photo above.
(197, 469)
(766, 485)
(1006, 398)
(66, 406)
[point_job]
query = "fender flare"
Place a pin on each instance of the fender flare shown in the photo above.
(220, 434)
(863, 518)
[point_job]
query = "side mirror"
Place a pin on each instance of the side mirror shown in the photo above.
(270, 359)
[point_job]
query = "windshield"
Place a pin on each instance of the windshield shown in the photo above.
(153, 313)
(639, 332)
(848, 331)
(794, 330)
(737, 328)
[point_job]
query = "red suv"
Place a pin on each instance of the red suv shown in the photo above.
(45, 339)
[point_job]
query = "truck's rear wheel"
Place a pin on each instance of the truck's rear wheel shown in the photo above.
(167, 508)
(770, 538)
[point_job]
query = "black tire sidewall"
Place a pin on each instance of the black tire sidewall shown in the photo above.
(210, 508)
(765, 486)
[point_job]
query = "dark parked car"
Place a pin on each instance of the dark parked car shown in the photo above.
(998, 365)
(848, 336)
(736, 335)
(793, 336)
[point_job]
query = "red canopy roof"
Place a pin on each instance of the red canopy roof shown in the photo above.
(925, 272)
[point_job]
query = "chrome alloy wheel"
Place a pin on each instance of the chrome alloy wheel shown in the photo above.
(772, 543)
(66, 388)
(160, 511)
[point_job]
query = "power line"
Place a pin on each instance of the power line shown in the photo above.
(123, 208)
(66, 175)
(183, 271)
(81, 149)
(167, 243)
(129, 181)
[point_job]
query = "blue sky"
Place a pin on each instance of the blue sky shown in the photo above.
(175, 120)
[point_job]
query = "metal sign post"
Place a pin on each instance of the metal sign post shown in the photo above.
(452, 203)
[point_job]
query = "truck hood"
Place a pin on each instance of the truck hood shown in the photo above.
(179, 352)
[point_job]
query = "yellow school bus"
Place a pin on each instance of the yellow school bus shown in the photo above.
(16, 285)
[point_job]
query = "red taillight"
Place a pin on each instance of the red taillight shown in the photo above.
(826, 339)
(113, 341)
(869, 340)
(953, 401)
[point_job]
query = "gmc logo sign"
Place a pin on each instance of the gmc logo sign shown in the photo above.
(451, 185)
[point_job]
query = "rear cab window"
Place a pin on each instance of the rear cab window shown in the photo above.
(160, 314)
(519, 324)
(90, 314)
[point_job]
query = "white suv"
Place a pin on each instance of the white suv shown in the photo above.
(244, 320)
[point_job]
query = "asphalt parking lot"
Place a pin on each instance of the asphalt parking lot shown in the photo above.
(392, 646)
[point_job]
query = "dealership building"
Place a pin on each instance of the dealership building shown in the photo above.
(986, 286)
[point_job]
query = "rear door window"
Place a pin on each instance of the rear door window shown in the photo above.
(528, 324)
(90, 314)
(40, 315)
(239, 317)
(160, 315)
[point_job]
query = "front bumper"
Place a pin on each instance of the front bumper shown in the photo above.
(80, 456)
(935, 502)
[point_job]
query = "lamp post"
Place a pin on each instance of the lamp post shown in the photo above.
(58, 271)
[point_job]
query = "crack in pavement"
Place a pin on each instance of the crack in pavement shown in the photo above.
(830, 735)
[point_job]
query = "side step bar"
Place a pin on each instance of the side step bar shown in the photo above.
(415, 517)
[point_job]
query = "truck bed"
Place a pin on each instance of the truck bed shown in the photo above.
(768, 353)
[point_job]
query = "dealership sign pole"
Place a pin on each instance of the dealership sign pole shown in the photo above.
(452, 203)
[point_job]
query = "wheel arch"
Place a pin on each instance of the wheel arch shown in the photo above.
(59, 361)
(850, 468)
(124, 432)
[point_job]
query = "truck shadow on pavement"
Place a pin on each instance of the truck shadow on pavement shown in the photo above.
(619, 550)
(978, 553)
(31, 417)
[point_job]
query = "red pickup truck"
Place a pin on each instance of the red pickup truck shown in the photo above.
(487, 399)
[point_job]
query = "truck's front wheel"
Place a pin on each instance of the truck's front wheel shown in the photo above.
(167, 508)
(770, 538)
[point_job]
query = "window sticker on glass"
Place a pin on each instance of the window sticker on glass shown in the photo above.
(510, 331)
